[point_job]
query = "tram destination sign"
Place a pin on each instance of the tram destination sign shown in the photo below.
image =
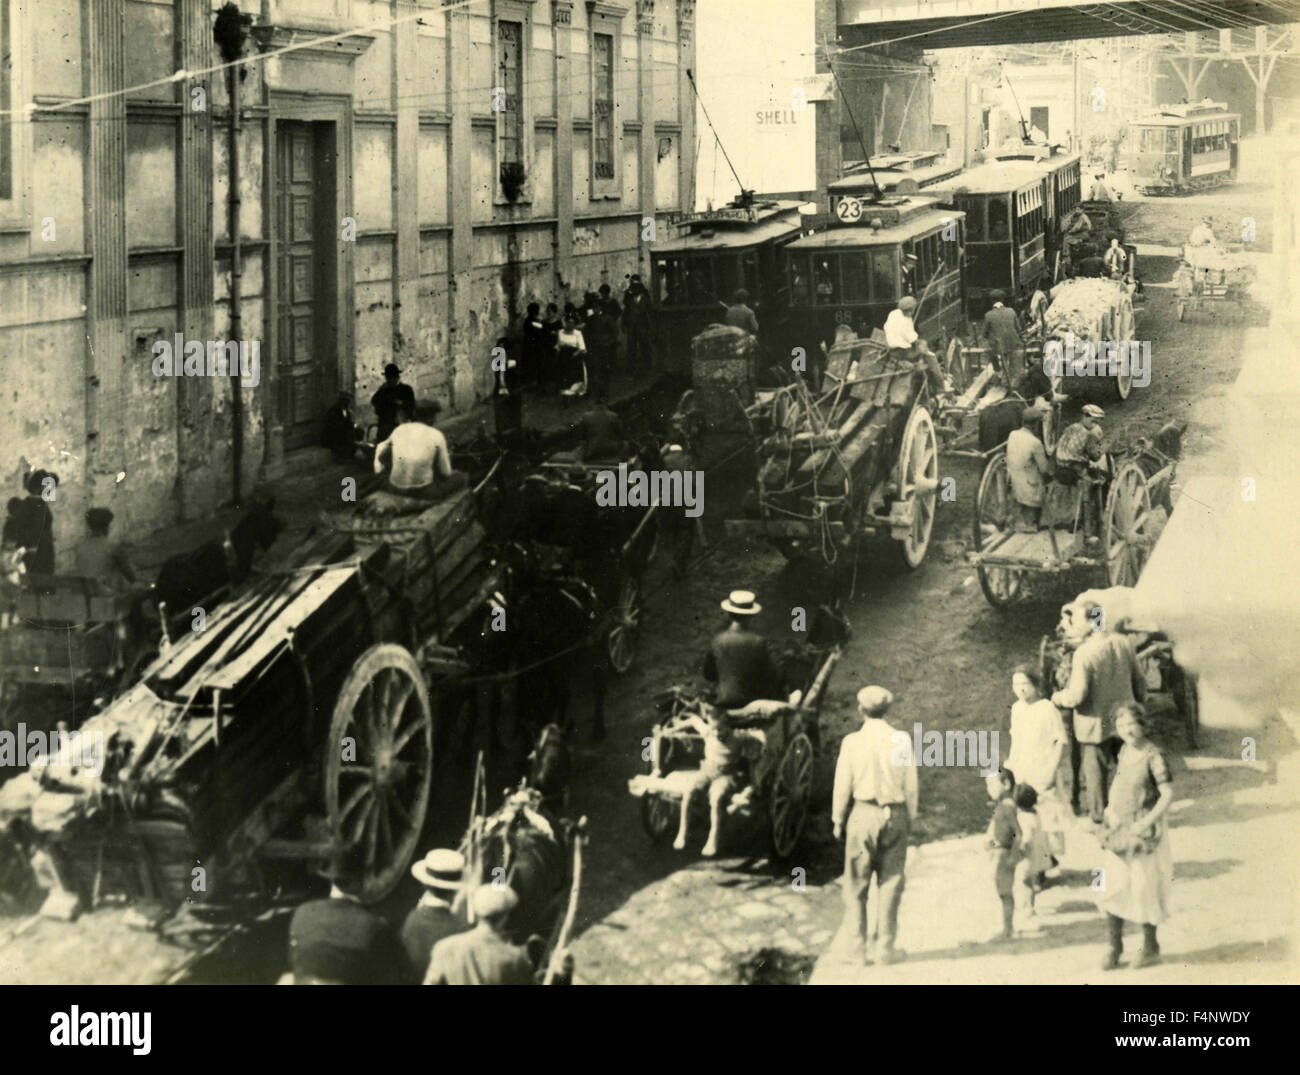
(735, 215)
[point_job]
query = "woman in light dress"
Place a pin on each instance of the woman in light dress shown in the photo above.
(1038, 741)
(1139, 863)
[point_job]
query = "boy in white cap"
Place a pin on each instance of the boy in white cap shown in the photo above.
(872, 807)
(482, 955)
(441, 872)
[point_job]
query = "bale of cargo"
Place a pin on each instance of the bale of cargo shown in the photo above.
(724, 369)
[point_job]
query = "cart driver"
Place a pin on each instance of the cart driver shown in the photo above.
(905, 344)
(1080, 457)
(739, 661)
(1202, 234)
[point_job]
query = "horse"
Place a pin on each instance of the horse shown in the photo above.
(549, 766)
(198, 574)
(524, 847)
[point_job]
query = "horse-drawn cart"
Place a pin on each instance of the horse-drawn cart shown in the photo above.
(778, 743)
(1214, 277)
(1130, 500)
(299, 719)
(859, 459)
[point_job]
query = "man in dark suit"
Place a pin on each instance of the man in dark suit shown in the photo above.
(739, 660)
(337, 941)
(391, 394)
(441, 872)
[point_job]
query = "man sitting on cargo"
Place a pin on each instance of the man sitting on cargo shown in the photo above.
(416, 459)
(1202, 234)
(904, 342)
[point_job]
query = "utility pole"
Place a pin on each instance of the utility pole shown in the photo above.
(230, 32)
(1076, 133)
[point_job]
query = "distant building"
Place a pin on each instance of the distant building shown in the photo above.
(407, 188)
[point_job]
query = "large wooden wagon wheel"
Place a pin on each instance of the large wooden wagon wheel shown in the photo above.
(378, 764)
(621, 640)
(790, 795)
(1127, 533)
(994, 514)
(660, 814)
(1122, 384)
(918, 481)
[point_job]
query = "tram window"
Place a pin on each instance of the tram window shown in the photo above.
(699, 282)
(826, 279)
(800, 291)
(724, 277)
(668, 278)
(951, 254)
(883, 286)
(999, 224)
(749, 275)
(974, 220)
(853, 267)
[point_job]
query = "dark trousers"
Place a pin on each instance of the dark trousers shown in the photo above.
(600, 359)
(508, 412)
(640, 350)
(1093, 774)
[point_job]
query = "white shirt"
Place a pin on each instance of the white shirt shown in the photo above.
(565, 338)
(899, 330)
(1037, 735)
(416, 451)
(875, 763)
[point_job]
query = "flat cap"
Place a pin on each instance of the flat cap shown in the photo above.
(491, 900)
(1093, 411)
(874, 700)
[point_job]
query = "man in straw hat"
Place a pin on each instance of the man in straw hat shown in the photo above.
(872, 808)
(441, 872)
(739, 661)
(482, 955)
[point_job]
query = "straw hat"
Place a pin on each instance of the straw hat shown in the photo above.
(742, 603)
(440, 868)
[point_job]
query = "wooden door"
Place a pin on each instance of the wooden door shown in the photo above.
(306, 363)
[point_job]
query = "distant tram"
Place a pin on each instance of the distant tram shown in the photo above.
(872, 254)
(1184, 148)
(711, 255)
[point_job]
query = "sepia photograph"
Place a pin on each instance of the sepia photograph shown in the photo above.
(650, 492)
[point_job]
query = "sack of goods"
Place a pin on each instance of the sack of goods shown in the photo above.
(1079, 306)
(724, 367)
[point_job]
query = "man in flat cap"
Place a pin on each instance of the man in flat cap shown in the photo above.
(1080, 456)
(872, 808)
(482, 955)
(1028, 468)
(441, 872)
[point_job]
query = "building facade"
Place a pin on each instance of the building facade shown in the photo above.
(411, 174)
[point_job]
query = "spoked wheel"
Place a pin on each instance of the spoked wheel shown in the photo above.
(1127, 529)
(378, 765)
(621, 640)
(918, 481)
(660, 815)
(1122, 384)
(791, 791)
(994, 514)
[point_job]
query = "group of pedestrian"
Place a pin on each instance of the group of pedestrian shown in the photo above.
(1100, 764)
(336, 940)
(574, 352)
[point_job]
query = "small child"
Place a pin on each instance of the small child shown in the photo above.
(1037, 853)
(1005, 843)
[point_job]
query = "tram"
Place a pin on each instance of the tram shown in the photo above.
(1184, 148)
(894, 173)
(712, 254)
(872, 254)
(1013, 209)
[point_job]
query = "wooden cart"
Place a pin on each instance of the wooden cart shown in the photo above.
(1217, 278)
(779, 774)
(859, 459)
(300, 719)
(1007, 556)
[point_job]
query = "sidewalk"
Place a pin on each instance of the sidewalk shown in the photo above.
(1234, 896)
(313, 481)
